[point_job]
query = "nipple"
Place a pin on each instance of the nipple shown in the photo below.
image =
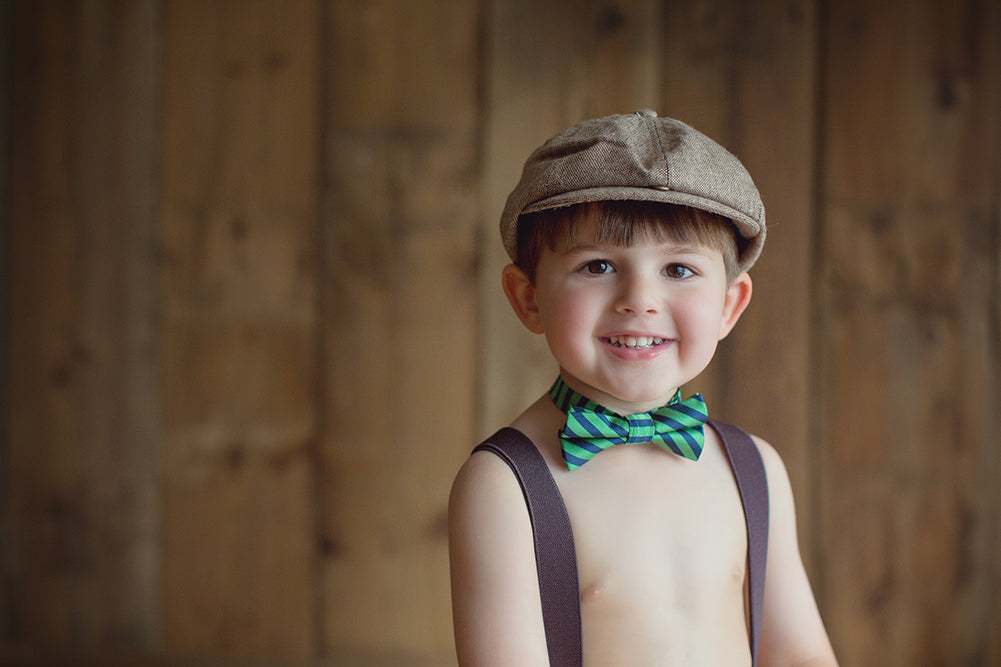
(593, 592)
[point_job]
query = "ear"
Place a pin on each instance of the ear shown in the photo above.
(521, 294)
(738, 295)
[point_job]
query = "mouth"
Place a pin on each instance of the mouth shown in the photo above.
(634, 342)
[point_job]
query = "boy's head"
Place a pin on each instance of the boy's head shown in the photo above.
(648, 174)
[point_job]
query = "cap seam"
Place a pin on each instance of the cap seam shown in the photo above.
(660, 144)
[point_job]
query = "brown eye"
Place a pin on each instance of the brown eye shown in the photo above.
(598, 266)
(678, 271)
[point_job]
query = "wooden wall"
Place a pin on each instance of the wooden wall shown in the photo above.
(252, 321)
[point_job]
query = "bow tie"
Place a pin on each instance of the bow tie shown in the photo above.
(591, 428)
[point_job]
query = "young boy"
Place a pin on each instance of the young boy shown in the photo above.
(630, 237)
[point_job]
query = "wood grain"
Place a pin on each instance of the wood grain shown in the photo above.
(238, 348)
(399, 332)
(910, 359)
(80, 554)
(252, 321)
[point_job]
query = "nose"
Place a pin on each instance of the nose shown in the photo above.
(639, 295)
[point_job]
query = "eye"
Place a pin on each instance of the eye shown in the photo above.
(678, 271)
(597, 267)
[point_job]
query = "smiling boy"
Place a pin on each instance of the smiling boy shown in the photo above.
(631, 237)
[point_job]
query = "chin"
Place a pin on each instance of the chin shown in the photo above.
(658, 395)
(640, 390)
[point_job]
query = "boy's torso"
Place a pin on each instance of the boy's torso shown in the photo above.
(661, 551)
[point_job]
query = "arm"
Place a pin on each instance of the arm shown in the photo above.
(792, 632)
(496, 608)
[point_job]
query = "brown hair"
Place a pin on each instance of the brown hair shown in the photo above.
(619, 223)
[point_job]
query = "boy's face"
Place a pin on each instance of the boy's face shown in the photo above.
(629, 325)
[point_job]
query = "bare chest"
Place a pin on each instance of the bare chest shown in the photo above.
(661, 553)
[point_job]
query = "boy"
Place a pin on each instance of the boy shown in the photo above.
(631, 237)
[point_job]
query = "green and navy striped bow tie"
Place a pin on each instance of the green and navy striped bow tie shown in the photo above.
(592, 428)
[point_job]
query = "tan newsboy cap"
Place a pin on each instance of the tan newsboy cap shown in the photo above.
(640, 157)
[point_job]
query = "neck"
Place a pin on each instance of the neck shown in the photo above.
(565, 392)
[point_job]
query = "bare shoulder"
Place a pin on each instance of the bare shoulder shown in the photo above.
(779, 489)
(486, 496)
(792, 630)
(783, 540)
(482, 474)
(496, 608)
(770, 456)
(775, 469)
(486, 499)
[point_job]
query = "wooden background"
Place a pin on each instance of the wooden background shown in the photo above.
(252, 322)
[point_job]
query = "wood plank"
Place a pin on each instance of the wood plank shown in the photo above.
(399, 324)
(238, 348)
(990, 421)
(909, 331)
(6, 570)
(81, 558)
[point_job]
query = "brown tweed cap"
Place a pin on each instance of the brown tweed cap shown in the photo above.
(638, 157)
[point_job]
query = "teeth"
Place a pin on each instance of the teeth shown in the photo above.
(635, 342)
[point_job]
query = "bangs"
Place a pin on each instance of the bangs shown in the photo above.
(623, 223)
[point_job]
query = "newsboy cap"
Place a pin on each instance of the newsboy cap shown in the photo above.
(639, 157)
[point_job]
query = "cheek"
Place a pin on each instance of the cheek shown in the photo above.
(702, 318)
(699, 338)
(561, 317)
(567, 319)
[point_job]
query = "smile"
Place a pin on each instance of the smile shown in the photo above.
(635, 342)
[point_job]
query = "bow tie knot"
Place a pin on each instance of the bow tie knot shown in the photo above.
(640, 428)
(591, 428)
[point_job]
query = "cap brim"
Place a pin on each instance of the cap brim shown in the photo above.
(747, 226)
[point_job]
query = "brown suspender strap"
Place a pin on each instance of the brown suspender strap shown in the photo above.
(749, 471)
(554, 546)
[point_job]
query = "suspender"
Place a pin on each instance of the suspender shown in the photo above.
(749, 471)
(554, 546)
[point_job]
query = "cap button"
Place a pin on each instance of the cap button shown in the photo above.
(646, 113)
